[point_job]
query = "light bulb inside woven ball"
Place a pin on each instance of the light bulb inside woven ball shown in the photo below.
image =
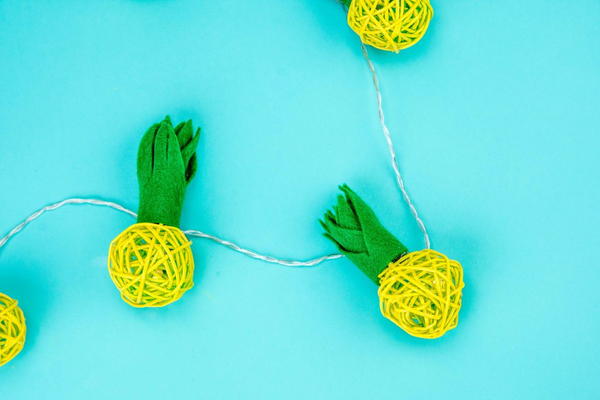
(390, 25)
(152, 265)
(422, 292)
(12, 329)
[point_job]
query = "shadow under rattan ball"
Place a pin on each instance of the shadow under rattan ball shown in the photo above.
(422, 293)
(390, 25)
(152, 265)
(12, 329)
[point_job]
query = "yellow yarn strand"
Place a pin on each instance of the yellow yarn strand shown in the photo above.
(152, 265)
(12, 329)
(422, 293)
(390, 25)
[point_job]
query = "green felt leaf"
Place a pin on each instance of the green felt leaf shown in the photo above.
(357, 233)
(184, 132)
(166, 164)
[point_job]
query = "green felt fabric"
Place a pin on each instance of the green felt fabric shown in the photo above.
(358, 234)
(166, 164)
(346, 2)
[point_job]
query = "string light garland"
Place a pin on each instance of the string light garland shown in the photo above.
(151, 262)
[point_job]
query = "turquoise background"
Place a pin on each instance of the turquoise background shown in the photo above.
(496, 120)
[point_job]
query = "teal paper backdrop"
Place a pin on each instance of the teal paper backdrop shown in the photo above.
(496, 120)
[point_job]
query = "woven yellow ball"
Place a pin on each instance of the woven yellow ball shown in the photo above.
(152, 265)
(390, 25)
(422, 292)
(12, 329)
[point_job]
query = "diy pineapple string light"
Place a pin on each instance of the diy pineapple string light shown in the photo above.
(151, 262)
(418, 291)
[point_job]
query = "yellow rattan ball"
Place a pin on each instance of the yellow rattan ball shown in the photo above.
(152, 265)
(421, 293)
(390, 25)
(12, 329)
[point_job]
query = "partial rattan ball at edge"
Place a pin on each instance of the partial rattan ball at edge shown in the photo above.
(390, 25)
(12, 329)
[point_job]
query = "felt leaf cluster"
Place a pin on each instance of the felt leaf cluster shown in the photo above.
(166, 165)
(354, 228)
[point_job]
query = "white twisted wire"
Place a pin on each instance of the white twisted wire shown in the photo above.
(193, 233)
(56, 206)
(390, 146)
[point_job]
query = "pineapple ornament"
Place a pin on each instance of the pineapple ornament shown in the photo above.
(419, 291)
(151, 262)
(391, 25)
